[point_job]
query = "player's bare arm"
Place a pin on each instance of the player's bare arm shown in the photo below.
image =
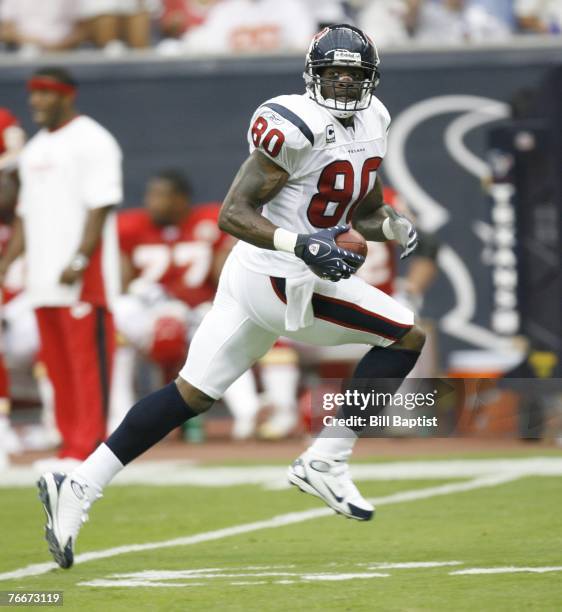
(257, 182)
(127, 270)
(90, 240)
(369, 214)
(16, 247)
(379, 222)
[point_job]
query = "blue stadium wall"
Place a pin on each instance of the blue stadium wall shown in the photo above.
(194, 115)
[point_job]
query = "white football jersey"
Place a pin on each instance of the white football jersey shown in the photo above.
(64, 174)
(330, 169)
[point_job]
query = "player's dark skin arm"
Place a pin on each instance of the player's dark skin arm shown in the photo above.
(127, 269)
(257, 182)
(16, 247)
(90, 239)
(369, 215)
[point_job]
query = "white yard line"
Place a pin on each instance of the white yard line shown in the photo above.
(277, 521)
(410, 565)
(338, 577)
(234, 576)
(505, 570)
(140, 583)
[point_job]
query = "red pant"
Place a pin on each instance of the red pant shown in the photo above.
(77, 346)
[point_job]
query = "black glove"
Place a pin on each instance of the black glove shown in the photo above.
(325, 258)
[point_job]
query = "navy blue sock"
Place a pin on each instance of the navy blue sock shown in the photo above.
(382, 370)
(386, 363)
(148, 421)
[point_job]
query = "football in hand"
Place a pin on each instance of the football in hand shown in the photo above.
(352, 241)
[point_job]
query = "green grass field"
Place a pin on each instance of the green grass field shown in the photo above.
(323, 563)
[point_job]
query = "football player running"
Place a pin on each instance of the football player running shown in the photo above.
(312, 167)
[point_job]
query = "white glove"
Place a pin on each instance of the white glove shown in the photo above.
(397, 227)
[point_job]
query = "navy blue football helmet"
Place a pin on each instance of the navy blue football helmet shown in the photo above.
(341, 45)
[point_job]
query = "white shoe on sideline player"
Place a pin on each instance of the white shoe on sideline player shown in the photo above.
(280, 425)
(330, 480)
(66, 503)
(243, 427)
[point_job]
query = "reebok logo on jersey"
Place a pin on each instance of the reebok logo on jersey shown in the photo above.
(314, 248)
(330, 133)
(274, 118)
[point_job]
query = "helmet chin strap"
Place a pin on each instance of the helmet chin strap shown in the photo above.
(335, 108)
(339, 113)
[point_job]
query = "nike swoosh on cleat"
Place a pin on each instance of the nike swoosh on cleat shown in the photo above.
(336, 497)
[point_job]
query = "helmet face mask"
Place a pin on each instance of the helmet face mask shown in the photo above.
(345, 46)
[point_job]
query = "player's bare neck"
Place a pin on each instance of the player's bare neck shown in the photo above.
(347, 122)
(62, 120)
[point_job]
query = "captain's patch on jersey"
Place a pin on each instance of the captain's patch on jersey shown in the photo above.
(330, 134)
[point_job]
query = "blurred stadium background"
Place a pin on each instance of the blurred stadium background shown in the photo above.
(475, 151)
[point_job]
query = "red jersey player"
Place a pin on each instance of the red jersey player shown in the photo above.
(169, 243)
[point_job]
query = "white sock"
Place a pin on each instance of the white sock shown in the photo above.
(99, 468)
(330, 447)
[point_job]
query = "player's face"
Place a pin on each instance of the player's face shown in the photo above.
(345, 82)
(47, 107)
(163, 202)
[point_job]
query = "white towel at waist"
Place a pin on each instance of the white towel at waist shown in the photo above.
(299, 290)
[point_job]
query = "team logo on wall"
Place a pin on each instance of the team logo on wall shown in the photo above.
(459, 321)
